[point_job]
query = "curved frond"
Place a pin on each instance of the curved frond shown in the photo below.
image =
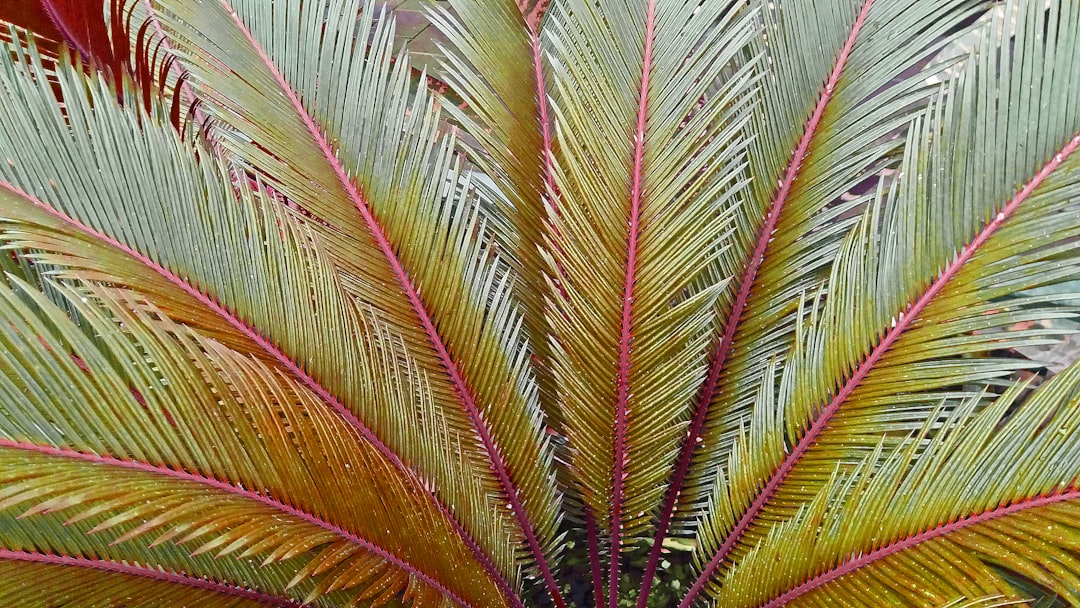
(989, 490)
(498, 67)
(342, 134)
(739, 302)
(213, 446)
(234, 273)
(924, 314)
(850, 74)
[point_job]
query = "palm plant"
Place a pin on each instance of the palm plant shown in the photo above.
(713, 301)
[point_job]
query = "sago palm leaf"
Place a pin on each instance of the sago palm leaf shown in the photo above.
(348, 142)
(251, 234)
(715, 301)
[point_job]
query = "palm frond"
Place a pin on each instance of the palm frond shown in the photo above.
(108, 583)
(498, 53)
(269, 265)
(628, 338)
(216, 450)
(975, 492)
(715, 300)
(401, 226)
(850, 74)
(923, 314)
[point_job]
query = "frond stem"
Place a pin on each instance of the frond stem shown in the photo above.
(723, 346)
(217, 484)
(927, 535)
(541, 359)
(903, 322)
(146, 572)
(468, 402)
(622, 397)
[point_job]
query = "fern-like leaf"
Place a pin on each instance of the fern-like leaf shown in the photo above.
(676, 302)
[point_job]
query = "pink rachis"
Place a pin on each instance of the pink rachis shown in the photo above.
(927, 535)
(147, 572)
(627, 331)
(283, 359)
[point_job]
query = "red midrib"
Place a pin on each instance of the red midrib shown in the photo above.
(541, 354)
(247, 494)
(548, 152)
(464, 393)
(906, 543)
(902, 323)
(145, 572)
(622, 394)
(284, 360)
(723, 347)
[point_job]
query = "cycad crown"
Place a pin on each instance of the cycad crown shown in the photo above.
(713, 301)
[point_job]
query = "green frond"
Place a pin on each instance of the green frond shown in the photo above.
(182, 233)
(988, 489)
(675, 222)
(497, 64)
(163, 203)
(901, 329)
(814, 146)
(738, 302)
(1024, 252)
(190, 424)
(342, 133)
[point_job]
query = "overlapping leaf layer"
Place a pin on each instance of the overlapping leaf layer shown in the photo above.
(679, 301)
